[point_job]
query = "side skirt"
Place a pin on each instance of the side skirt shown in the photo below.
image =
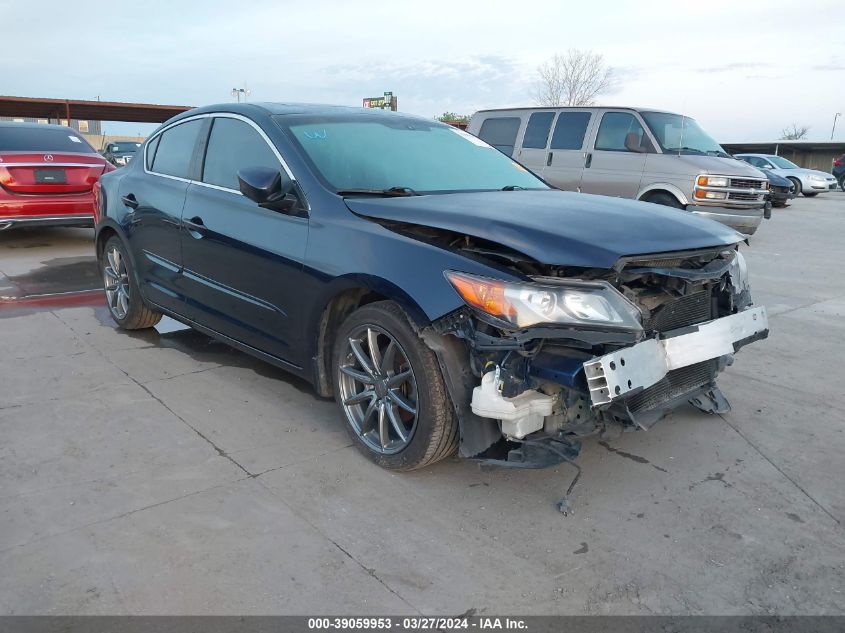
(247, 349)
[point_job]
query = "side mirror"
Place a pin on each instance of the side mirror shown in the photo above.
(269, 188)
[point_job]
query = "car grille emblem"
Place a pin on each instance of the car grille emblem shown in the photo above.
(48, 158)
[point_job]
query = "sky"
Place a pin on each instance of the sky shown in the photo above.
(745, 70)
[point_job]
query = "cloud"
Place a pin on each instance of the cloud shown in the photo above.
(726, 68)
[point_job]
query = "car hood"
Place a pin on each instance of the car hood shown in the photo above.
(717, 165)
(775, 180)
(555, 227)
(802, 171)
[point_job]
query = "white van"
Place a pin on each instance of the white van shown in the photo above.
(634, 153)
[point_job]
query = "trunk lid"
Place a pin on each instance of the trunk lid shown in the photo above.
(49, 173)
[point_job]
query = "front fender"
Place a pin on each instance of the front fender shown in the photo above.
(664, 186)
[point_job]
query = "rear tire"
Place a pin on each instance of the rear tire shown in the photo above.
(375, 400)
(797, 185)
(666, 199)
(123, 298)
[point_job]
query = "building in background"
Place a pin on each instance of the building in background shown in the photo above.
(80, 125)
(810, 154)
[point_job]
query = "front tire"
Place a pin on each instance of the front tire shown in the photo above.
(390, 391)
(123, 298)
(666, 199)
(810, 195)
(798, 188)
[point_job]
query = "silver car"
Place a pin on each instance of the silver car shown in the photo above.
(810, 182)
(649, 155)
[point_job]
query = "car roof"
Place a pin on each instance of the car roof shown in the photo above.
(596, 107)
(274, 108)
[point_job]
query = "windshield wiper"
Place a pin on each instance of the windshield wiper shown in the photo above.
(392, 192)
(685, 149)
(513, 188)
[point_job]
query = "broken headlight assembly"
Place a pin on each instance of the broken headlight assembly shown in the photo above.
(548, 302)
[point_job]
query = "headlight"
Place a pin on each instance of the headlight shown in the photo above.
(570, 302)
(712, 181)
(710, 195)
(817, 178)
(739, 273)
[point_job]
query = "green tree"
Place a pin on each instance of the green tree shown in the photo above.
(451, 117)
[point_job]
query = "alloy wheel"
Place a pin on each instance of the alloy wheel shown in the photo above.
(378, 390)
(116, 282)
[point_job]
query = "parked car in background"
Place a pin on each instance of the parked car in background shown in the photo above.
(810, 182)
(119, 153)
(781, 190)
(839, 171)
(448, 298)
(47, 176)
(645, 155)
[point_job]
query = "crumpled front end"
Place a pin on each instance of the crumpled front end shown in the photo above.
(536, 389)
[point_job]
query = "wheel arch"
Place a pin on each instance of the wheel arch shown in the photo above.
(341, 300)
(663, 187)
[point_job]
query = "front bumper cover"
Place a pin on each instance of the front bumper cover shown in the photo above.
(628, 371)
(743, 219)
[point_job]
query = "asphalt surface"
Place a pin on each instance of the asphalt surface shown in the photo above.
(165, 473)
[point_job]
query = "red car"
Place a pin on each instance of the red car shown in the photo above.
(47, 176)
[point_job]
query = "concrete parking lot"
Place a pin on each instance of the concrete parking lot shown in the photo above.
(165, 473)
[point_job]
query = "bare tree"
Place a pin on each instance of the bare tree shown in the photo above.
(794, 132)
(575, 78)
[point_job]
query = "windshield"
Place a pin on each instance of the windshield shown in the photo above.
(677, 133)
(777, 161)
(383, 152)
(33, 139)
(125, 148)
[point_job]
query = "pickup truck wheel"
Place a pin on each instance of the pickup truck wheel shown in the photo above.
(797, 184)
(390, 390)
(123, 298)
(666, 199)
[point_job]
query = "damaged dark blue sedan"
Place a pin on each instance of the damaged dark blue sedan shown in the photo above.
(444, 295)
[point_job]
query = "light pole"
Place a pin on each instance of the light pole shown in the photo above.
(237, 92)
(835, 116)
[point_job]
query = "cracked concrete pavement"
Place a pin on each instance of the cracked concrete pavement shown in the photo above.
(165, 473)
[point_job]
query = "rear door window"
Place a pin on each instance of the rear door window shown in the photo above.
(176, 148)
(570, 130)
(500, 132)
(537, 131)
(614, 130)
(233, 145)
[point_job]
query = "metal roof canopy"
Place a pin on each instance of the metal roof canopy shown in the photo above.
(87, 110)
(772, 147)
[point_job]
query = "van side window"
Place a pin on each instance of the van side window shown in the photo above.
(500, 132)
(614, 131)
(570, 129)
(537, 131)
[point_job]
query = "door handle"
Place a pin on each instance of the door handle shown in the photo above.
(549, 160)
(130, 201)
(588, 159)
(195, 226)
